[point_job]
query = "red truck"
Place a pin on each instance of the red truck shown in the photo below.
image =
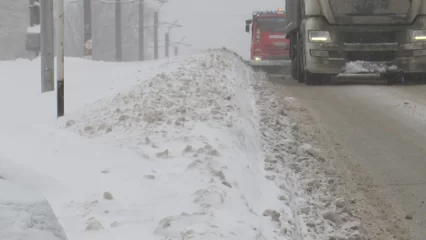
(270, 49)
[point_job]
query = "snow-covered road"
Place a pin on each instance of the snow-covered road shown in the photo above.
(374, 136)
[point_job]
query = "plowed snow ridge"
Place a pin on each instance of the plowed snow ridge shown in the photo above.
(196, 130)
(203, 150)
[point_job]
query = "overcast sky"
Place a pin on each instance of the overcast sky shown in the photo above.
(214, 23)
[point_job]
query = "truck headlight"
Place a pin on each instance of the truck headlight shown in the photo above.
(257, 58)
(319, 37)
(418, 35)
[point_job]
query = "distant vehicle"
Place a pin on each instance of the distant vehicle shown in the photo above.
(376, 39)
(270, 49)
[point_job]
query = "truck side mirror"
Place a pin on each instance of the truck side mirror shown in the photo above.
(249, 21)
(247, 28)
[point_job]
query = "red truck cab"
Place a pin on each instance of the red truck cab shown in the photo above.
(269, 45)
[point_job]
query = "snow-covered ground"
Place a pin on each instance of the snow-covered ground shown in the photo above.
(26, 216)
(193, 147)
(175, 155)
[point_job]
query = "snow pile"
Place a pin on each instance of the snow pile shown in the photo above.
(196, 147)
(298, 168)
(86, 81)
(92, 188)
(367, 67)
(200, 172)
(26, 216)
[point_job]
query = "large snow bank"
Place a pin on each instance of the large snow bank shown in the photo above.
(175, 155)
(24, 215)
(192, 147)
(200, 153)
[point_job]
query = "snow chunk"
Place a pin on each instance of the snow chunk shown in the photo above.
(24, 215)
(367, 67)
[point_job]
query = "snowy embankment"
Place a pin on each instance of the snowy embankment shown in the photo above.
(200, 171)
(323, 210)
(24, 215)
(197, 147)
(176, 154)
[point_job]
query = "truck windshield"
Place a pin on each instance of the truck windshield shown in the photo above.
(276, 24)
(370, 7)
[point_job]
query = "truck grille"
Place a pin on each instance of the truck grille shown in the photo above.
(373, 56)
(274, 50)
(370, 37)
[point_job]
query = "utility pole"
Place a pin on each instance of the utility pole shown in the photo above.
(167, 37)
(87, 25)
(60, 84)
(118, 45)
(34, 13)
(156, 35)
(156, 25)
(167, 44)
(176, 45)
(47, 46)
(141, 31)
(32, 42)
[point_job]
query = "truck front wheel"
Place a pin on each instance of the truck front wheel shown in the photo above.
(312, 79)
(417, 78)
(295, 60)
(299, 58)
(294, 68)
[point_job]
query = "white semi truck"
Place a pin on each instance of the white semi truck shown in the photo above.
(377, 39)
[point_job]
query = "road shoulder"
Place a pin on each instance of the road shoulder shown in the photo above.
(379, 219)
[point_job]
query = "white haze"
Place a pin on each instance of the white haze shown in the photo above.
(215, 23)
(14, 20)
(206, 24)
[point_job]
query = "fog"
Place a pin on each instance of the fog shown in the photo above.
(213, 24)
(205, 24)
(14, 21)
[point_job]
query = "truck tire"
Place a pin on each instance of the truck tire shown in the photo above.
(421, 79)
(312, 79)
(416, 78)
(294, 68)
(299, 59)
(294, 57)
(394, 78)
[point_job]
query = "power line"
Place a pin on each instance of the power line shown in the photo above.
(128, 1)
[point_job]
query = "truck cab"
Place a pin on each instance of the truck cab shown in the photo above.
(270, 49)
(356, 38)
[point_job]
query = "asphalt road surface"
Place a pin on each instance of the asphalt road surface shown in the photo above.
(381, 129)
